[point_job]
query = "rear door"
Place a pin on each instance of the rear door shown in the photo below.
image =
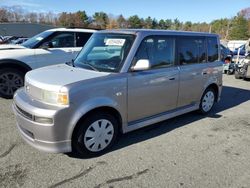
(154, 91)
(192, 59)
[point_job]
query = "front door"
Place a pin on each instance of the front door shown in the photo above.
(154, 91)
(59, 49)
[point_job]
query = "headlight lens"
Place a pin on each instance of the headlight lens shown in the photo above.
(58, 98)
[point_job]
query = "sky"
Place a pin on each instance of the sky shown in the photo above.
(184, 10)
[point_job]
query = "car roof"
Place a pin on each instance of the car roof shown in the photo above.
(73, 30)
(155, 32)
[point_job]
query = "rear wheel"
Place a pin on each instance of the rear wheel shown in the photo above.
(10, 80)
(95, 134)
(207, 101)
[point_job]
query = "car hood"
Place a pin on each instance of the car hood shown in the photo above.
(53, 78)
(11, 47)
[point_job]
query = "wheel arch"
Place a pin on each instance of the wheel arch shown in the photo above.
(216, 90)
(15, 64)
(109, 109)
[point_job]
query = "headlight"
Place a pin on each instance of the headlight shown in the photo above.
(58, 98)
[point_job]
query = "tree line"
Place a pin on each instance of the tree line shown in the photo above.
(234, 28)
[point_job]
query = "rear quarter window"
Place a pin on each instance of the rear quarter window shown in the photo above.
(213, 49)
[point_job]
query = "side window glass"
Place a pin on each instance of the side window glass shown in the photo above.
(158, 50)
(62, 40)
(191, 50)
(82, 38)
(201, 43)
(212, 49)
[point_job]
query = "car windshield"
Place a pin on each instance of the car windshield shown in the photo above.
(32, 42)
(105, 52)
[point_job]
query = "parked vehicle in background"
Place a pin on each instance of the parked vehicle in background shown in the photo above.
(19, 41)
(9, 39)
(233, 44)
(228, 66)
(237, 59)
(1, 40)
(242, 69)
(225, 52)
(50, 47)
(121, 80)
(241, 50)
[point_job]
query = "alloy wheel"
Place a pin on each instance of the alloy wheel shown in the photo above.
(10, 82)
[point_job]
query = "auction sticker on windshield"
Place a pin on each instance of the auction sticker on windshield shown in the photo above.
(39, 38)
(115, 42)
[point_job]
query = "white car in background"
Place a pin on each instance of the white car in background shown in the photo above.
(50, 47)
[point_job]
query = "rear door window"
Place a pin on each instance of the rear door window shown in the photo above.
(191, 50)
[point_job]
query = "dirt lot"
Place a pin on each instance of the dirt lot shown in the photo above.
(187, 151)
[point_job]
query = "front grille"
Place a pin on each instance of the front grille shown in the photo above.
(24, 113)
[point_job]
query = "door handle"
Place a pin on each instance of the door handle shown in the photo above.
(172, 78)
(204, 73)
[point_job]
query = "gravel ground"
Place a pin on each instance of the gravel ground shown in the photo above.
(188, 151)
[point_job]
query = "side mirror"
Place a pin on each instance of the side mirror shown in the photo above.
(47, 45)
(142, 64)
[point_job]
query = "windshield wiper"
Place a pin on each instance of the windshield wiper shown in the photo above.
(86, 64)
(91, 66)
(71, 63)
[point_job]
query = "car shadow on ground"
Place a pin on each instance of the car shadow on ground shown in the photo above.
(230, 98)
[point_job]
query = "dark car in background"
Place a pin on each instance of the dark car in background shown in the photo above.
(242, 49)
(225, 52)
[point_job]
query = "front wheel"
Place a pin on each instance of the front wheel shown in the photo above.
(95, 134)
(207, 101)
(10, 80)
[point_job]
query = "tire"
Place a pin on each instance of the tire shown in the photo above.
(225, 71)
(89, 138)
(246, 79)
(236, 75)
(10, 80)
(207, 101)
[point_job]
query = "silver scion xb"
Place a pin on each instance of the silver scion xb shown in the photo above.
(122, 80)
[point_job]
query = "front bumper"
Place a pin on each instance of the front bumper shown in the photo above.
(46, 137)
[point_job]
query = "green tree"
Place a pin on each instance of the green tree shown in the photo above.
(100, 20)
(122, 22)
(177, 24)
(161, 24)
(188, 26)
(221, 27)
(148, 23)
(135, 22)
(168, 24)
(239, 28)
(82, 18)
(154, 24)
